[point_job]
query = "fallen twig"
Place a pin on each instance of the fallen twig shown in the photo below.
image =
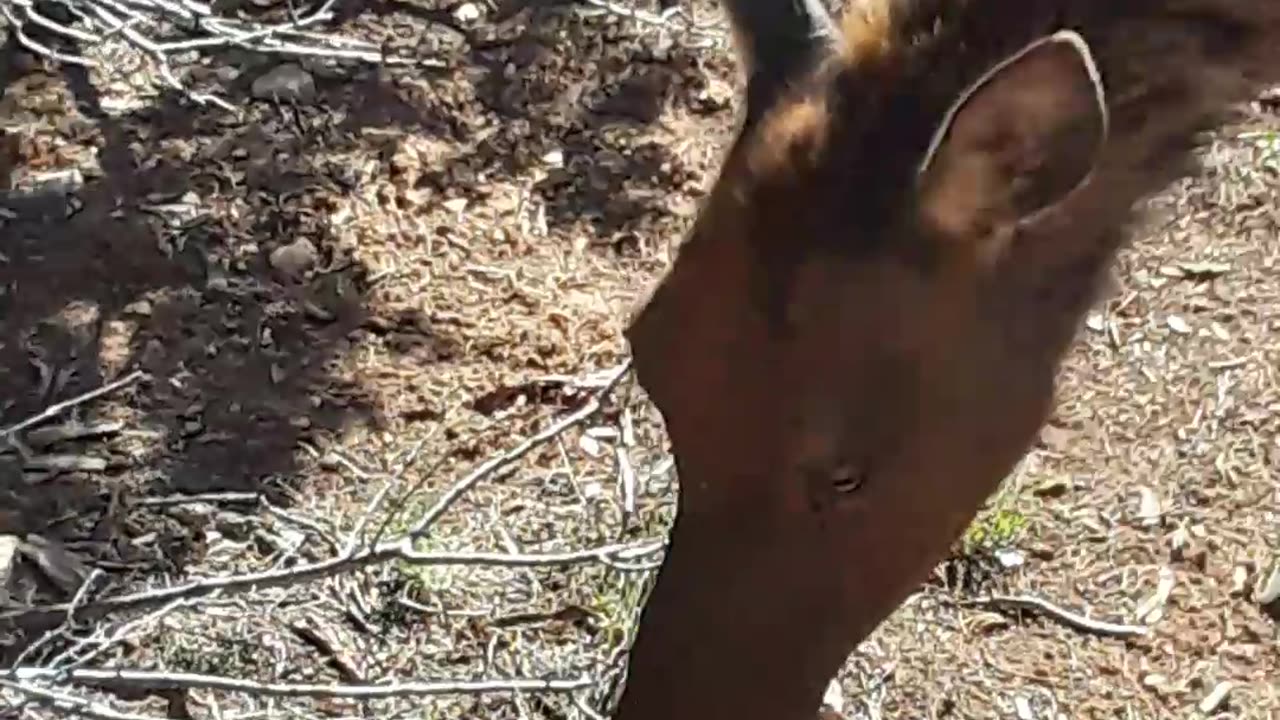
(214, 497)
(1063, 616)
(158, 680)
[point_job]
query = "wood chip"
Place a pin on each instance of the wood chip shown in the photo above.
(1215, 699)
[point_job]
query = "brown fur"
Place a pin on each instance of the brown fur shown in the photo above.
(845, 380)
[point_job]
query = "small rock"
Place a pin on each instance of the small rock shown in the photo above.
(1178, 325)
(455, 205)
(1215, 699)
(1056, 439)
(294, 259)
(466, 13)
(1010, 558)
(141, 308)
(833, 698)
(288, 83)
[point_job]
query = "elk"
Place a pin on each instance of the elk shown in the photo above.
(860, 335)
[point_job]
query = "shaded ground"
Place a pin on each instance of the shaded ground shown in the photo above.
(416, 260)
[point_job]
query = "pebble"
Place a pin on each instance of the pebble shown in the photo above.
(833, 698)
(466, 13)
(294, 259)
(288, 83)
(139, 307)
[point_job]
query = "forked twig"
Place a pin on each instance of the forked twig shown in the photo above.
(499, 462)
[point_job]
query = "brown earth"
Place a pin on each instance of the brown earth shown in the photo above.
(423, 261)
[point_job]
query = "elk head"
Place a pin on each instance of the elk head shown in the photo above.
(857, 341)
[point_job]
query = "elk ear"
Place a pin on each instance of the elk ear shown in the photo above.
(1017, 142)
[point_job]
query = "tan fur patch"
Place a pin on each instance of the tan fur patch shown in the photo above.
(866, 31)
(794, 133)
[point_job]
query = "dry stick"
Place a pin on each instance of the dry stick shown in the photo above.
(159, 680)
(1066, 617)
(59, 408)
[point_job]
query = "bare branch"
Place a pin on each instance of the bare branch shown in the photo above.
(401, 550)
(155, 680)
(1062, 615)
(61, 407)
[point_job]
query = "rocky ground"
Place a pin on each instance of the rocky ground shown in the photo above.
(374, 280)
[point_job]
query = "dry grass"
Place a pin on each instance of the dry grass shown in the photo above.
(483, 229)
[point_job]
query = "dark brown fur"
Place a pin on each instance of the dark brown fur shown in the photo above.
(844, 377)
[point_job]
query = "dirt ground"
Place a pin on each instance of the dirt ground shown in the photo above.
(352, 299)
